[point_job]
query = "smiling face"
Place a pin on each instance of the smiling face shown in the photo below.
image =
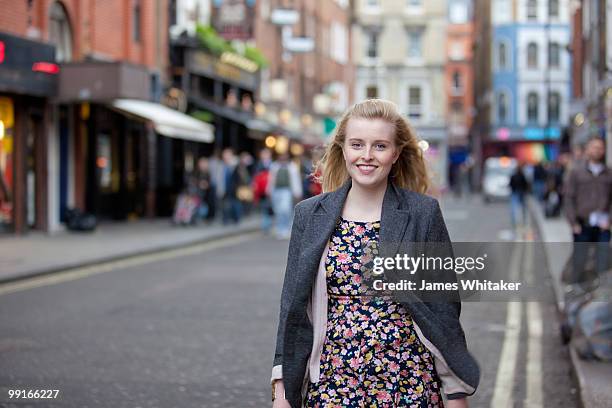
(369, 151)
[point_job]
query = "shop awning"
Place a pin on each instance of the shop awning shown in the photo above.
(166, 121)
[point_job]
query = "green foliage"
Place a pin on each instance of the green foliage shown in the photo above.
(212, 41)
(204, 116)
(217, 45)
(255, 55)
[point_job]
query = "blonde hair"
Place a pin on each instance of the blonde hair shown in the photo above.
(409, 171)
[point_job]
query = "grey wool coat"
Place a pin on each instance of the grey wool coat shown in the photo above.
(407, 217)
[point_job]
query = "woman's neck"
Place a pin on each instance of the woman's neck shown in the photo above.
(364, 204)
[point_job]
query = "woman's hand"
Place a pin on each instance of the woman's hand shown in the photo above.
(280, 401)
(457, 403)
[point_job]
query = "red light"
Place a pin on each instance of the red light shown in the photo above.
(1, 52)
(46, 67)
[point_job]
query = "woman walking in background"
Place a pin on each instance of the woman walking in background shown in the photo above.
(284, 188)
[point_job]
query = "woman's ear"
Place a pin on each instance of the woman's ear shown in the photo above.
(398, 152)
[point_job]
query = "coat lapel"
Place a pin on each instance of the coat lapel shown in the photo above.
(394, 220)
(320, 227)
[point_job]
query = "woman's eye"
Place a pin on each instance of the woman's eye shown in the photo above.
(355, 145)
(381, 146)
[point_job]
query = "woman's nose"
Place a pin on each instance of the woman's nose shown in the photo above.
(367, 153)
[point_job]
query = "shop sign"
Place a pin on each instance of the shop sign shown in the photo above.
(206, 64)
(27, 67)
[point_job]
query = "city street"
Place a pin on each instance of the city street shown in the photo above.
(196, 327)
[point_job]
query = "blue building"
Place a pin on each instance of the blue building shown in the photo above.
(531, 78)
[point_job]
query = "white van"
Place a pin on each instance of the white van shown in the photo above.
(496, 178)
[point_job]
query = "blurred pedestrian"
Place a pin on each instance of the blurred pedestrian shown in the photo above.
(205, 190)
(243, 176)
(539, 180)
(519, 187)
(284, 188)
(554, 186)
(260, 189)
(230, 204)
(588, 206)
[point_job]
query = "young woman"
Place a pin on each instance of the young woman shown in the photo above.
(336, 347)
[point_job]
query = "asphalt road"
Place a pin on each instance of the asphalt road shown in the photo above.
(196, 328)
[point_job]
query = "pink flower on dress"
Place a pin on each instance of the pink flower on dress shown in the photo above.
(383, 396)
(349, 333)
(336, 361)
(343, 257)
(359, 230)
(393, 367)
(356, 279)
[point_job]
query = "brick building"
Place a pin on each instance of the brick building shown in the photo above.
(459, 72)
(106, 150)
(308, 44)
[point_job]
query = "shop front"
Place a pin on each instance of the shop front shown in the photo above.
(118, 142)
(28, 78)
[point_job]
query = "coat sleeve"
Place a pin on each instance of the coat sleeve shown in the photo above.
(288, 289)
(448, 312)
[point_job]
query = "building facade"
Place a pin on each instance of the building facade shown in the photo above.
(591, 107)
(531, 78)
(398, 56)
(459, 82)
(107, 151)
(307, 83)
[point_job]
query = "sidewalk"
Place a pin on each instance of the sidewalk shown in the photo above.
(39, 253)
(594, 377)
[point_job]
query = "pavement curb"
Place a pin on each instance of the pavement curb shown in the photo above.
(538, 217)
(587, 397)
(126, 255)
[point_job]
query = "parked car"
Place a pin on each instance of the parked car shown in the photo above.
(496, 178)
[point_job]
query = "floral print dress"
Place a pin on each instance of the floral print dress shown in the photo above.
(371, 356)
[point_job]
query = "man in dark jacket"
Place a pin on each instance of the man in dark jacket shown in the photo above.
(588, 205)
(519, 187)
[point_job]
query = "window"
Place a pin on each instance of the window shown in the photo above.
(502, 108)
(532, 107)
(372, 92)
(457, 87)
(456, 51)
(554, 52)
(532, 10)
(415, 102)
(554, 107)
(457, 108)
(502, 56)
(372, 50)
(60, 33)
(136, 23)
(553, 8)
(415, 48)
(372, 3)
(458, 12)
(532, 55)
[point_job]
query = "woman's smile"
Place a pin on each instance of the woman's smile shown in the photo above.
(366, 169)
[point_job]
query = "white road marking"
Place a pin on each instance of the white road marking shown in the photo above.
(535, 397)
(504, 382)
(78, 273)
